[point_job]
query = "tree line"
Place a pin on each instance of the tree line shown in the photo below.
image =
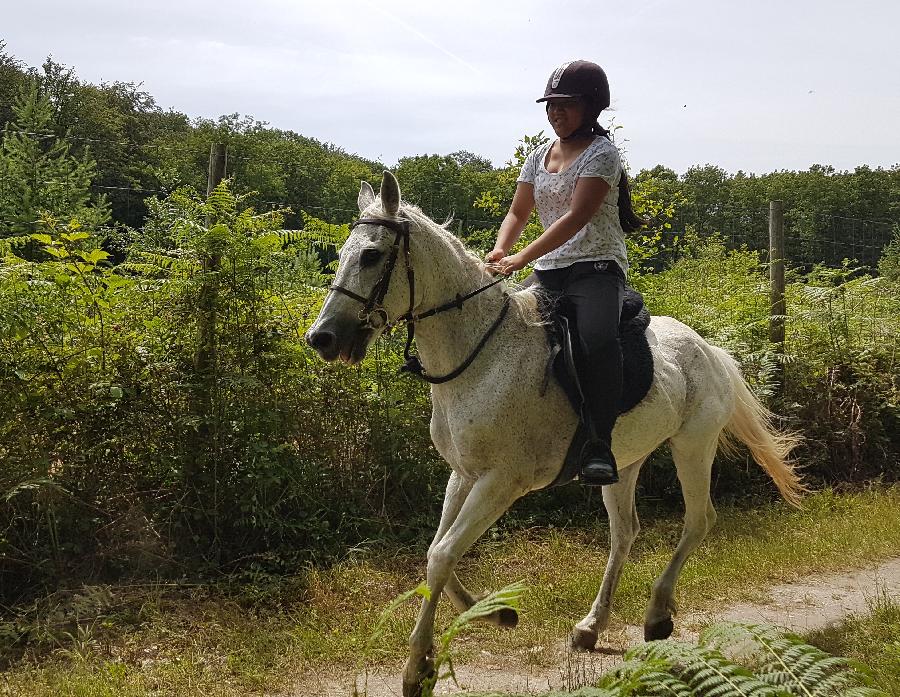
(128, 147)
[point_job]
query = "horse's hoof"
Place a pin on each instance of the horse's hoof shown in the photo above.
(583, 639)
(507, 617)
(424, 673)
(661, 629)
(412, 689)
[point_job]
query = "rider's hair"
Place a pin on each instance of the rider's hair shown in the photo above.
(630, 220)
(591, 127)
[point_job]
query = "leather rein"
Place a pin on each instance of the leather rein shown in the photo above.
(374, 316)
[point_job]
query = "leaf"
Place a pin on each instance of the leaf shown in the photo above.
(74, 236)
(420, 590)
(94, 256)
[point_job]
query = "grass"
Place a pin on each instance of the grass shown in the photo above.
(873, 638)
(219, 641)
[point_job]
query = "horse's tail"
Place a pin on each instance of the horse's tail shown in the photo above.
(752, 424)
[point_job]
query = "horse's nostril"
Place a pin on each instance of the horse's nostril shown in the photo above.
(320, 340)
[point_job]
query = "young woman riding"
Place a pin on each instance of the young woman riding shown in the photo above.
(579, 187)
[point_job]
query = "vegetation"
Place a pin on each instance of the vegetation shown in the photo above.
(163, 419)
(872, 637)
(235, 636)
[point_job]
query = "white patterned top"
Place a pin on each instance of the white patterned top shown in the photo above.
(602, 237)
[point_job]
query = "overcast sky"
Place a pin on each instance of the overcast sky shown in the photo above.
(757, 86)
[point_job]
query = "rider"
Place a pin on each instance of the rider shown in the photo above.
(579, 187)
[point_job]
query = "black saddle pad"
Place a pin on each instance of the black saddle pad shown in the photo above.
(637, 363)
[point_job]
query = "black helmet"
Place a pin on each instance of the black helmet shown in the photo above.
(579, 79)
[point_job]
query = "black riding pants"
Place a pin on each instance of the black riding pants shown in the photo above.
(591, 295)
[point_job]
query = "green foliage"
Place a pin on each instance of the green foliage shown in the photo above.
(842, 340)
(787, 662)
(889, 264)
(872, 636)
(166, 411)
(39, 176)
(734, 659)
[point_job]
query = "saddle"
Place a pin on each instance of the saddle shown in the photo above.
(637, 364)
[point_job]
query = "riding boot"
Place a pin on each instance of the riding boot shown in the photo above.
(602, 391)
(597, 466)
(592, 296)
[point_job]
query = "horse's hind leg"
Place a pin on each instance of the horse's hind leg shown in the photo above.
(623, 529)
(693, 458)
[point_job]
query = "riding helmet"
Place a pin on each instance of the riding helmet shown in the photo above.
(579, 79)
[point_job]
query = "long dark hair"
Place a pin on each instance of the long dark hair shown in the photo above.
(629, 220)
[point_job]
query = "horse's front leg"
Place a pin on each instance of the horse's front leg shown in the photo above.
(490, 496)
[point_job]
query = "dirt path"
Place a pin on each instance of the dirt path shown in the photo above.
(812, 603)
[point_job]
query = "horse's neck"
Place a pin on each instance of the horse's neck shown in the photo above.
(447, 339)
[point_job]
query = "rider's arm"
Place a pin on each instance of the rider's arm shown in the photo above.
(515, 220)
(589, 195)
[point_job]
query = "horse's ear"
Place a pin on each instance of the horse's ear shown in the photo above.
(366, 196)
(390, 194)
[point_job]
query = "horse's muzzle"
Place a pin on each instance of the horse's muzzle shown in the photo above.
(324, 342)
(349, 346)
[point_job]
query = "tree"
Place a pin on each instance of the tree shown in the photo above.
(39, 176)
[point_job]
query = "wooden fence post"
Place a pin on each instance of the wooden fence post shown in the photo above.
(198, 473)
(205, 356)
(216, 173)
(776, 280)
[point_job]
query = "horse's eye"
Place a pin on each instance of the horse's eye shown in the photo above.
(370, 257)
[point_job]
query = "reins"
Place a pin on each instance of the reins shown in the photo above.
(373, 309)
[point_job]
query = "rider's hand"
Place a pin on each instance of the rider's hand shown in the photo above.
(491, 259)
(512, 263)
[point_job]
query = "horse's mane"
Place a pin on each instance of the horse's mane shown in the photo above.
(524, 300)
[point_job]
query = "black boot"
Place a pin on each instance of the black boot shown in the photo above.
(598, 466)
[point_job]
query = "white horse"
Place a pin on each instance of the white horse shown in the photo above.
(501, 437)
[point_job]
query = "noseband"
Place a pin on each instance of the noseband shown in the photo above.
(374, 316)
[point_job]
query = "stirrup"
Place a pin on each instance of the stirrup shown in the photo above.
(598, 465)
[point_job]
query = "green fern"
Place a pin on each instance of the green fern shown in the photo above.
(705, 671)
(154, 265)
(786, 661)
(648, 677)
(322, 235)
(220, 200)
(286, 237)
(503, 599)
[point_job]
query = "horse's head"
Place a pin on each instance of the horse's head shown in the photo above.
(371, 288)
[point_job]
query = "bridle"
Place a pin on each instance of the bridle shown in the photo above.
(374, 316)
